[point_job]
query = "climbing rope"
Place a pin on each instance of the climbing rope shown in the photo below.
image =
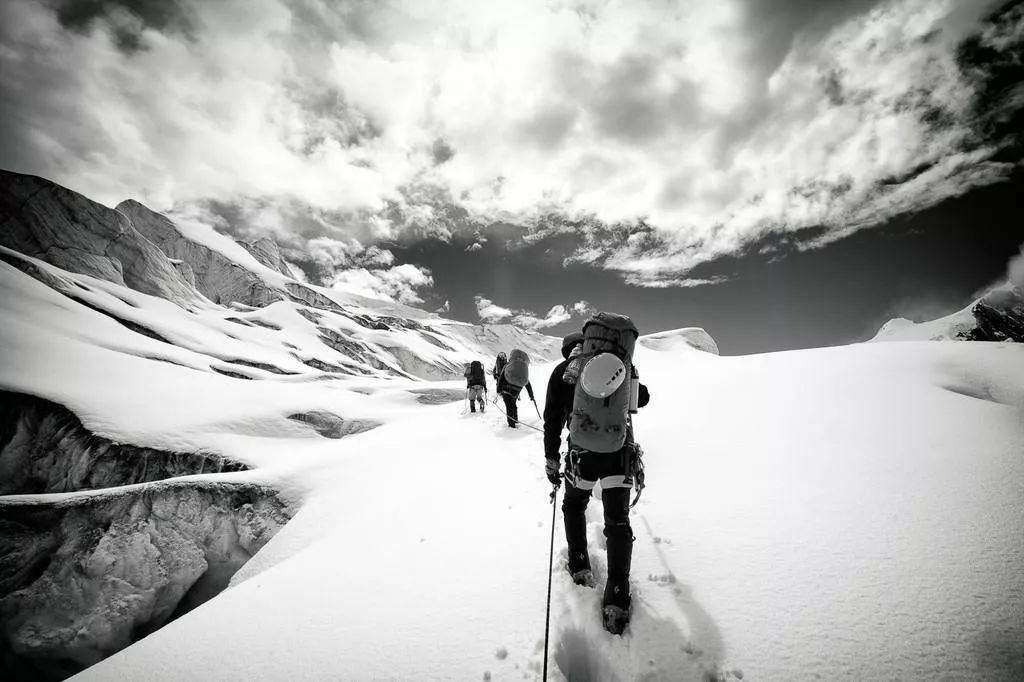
(551, 561)
(518, 421)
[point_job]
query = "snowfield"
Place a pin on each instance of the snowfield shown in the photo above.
(847, 513)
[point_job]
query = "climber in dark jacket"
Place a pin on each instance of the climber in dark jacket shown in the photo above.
(510, 394)
(583, 470)
(558, 402)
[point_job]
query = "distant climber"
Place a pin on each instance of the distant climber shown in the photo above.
(515, 376)
(499, 365)
(476, 385)
(593, 392)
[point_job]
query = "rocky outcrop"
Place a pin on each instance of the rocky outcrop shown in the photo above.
(314, 299)
(45, 449)
(185, 270)
(217, 277)
(416, 366)
(85, 577)
(267, 252)
(998, 316)
(41, 219)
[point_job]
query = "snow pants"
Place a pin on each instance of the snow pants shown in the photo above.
(476, 393)
(511, 409)
(583, 470)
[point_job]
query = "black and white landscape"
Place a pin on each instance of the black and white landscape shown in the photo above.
(234, 437)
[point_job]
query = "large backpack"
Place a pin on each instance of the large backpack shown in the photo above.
(601, 402)
(517, 369)
(476, 373)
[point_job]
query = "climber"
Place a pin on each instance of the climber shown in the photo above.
(513, 378)
(594, 391)
(476, 385)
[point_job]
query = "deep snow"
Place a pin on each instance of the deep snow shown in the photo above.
(843, 513)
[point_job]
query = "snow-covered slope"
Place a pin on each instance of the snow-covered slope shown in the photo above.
(849, 513)
(807, 515)
(211, 280)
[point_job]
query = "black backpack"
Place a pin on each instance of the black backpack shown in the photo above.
(476, 373)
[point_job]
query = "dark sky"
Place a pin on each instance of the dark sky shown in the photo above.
(920, 266)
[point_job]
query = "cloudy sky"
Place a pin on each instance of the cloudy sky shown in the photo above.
(709, 162)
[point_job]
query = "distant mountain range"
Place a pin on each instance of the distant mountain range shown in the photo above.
(211, 278)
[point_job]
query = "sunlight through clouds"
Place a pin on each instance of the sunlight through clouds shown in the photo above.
(713, 124)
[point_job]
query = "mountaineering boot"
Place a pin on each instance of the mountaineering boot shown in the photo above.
(583, 577)
(615, 619)
(615, 606)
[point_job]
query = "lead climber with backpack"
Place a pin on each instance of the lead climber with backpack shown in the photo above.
(476, 385)
(514, 377)
(594, 392)
(499, 365)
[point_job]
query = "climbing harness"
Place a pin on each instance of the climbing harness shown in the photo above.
(551, 560)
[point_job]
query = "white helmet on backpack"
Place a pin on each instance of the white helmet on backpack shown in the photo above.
(602, 376)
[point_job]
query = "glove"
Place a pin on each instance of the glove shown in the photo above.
(551, 469)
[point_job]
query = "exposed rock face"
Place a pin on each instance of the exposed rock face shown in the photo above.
(185, 270)
(417, 367)
(314, 299)
(83, 578)
(46, 221)
(267, 252)
(999, 317)
(45, 449)
(216, 276)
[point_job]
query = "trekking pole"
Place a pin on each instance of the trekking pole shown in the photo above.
(537, 409)
(551, 560)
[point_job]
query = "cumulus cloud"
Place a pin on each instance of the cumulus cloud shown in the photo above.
(672, 282)
(582, 308)
(667, 134)
(399, 283)
(491, 312)
(557, 315)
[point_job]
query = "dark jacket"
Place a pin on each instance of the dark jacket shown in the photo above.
(558, 408)
(511, 390)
